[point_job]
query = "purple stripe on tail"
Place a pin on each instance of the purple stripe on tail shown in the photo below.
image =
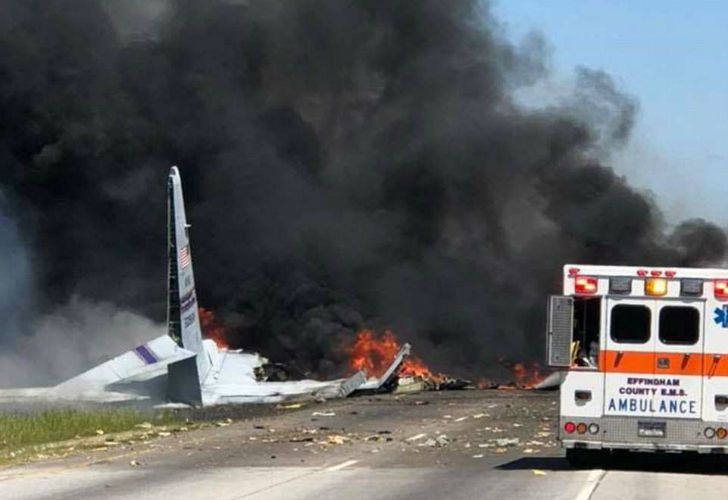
(146, 354)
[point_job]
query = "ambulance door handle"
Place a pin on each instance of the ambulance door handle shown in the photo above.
(686, 358)
(663, 363)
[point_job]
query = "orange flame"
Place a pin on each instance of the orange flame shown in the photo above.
(375, 354)
(525, 375)
(211, 328)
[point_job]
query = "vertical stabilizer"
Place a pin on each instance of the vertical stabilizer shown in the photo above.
(182, 316)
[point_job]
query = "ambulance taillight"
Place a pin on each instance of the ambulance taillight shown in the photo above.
(721, 289)
(587, 285)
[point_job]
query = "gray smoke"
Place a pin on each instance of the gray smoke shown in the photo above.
(71, 339)
(345, 164)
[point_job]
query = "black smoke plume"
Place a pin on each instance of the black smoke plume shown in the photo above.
(345, 164)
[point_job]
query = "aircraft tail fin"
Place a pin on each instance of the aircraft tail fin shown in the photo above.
(182, 315)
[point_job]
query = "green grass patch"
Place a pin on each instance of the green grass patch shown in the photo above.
(18, 430)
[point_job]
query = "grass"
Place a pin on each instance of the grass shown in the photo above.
(20, 430)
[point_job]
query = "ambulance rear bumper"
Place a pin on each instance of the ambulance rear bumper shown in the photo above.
(626, 433)
(657, 447)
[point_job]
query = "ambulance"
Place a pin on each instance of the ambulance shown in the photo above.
(644, 359)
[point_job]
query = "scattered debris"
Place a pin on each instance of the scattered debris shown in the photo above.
(292, 406)
(323, 414)
(135, 463)
(337, 439)
(504, 442)
(416, 437)
(377, 438)
(439, 441)
(410, 384)
(538, 472)
(454, 384)
(480, 455)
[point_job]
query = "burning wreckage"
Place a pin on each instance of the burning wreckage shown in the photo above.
(182, 367)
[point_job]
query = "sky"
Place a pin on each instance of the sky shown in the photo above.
(673, 57)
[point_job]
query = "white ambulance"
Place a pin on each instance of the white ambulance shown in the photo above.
(645, 357)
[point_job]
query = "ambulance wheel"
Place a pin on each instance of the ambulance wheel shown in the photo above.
(580, 457)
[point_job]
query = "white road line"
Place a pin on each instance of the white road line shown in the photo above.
(341, 465)
(415, 438)
(592, 481)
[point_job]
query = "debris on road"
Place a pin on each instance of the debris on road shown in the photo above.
(505, 442)
(337, 439)
(292, 406)
(439, 441)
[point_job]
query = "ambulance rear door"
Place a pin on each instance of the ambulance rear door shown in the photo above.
(628, 360)
(678, 381)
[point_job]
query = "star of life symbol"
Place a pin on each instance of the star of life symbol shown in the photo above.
(721, 316)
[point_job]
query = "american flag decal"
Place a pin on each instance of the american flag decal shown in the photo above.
(184, 256)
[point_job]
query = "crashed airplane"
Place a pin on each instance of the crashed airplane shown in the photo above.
(183, 367)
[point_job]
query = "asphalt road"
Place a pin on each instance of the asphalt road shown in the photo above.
(455, 445)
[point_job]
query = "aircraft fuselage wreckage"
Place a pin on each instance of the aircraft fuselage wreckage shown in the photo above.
(183, 367)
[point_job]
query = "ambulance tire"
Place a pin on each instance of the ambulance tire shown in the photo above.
(580, 457)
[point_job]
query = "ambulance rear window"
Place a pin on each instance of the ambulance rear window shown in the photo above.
(679, 325)
(630, 324)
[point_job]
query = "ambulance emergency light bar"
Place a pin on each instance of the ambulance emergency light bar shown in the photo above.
(655, 284)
